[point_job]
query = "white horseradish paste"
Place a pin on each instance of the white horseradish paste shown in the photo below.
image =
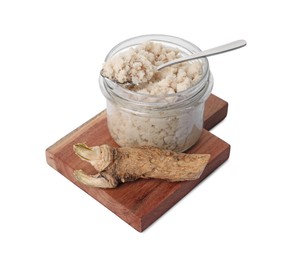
(137, 65)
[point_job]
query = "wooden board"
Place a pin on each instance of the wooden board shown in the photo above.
(142, 202)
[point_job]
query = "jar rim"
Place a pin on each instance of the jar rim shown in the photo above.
(196, 92)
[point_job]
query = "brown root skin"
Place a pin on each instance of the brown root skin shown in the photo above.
(97, 180)
(119, 165)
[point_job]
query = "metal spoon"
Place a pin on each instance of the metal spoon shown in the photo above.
(217, 50)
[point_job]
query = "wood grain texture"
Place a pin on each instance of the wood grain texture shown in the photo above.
(215, 111)
(142, 202)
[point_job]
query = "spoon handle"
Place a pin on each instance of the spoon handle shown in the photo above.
(217, 50)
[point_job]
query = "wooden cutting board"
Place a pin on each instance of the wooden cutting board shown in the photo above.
(142, 202)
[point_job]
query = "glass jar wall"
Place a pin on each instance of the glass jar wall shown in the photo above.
(173, 121)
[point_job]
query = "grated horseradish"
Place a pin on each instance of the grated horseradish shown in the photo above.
(137, 65)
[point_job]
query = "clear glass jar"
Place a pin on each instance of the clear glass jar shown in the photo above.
(173, 122)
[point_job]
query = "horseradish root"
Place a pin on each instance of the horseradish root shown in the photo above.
(119, 165)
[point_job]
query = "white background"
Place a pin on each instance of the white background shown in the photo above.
(50, 56)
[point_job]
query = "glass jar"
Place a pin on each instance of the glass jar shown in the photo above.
(173, 122)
